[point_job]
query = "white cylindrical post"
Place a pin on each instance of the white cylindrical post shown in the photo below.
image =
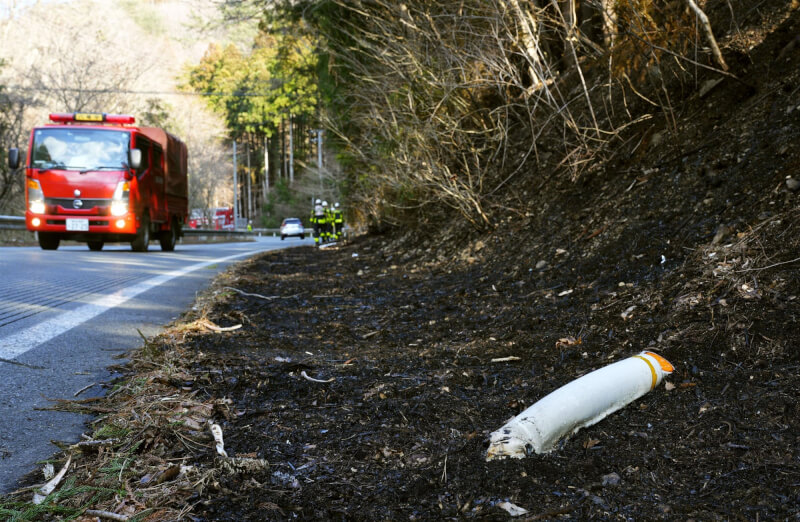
(291, 149)
(319, 157)
(580, 403)
(235, 189)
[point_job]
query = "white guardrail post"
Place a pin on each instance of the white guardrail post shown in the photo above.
(12, 223)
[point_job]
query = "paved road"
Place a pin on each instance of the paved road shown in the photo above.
(66, 314)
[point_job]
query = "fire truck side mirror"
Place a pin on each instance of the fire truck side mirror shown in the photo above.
(135, 157)
(13, 158)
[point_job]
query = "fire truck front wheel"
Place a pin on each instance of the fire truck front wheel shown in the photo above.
(142, 240)
(48, 241)
(168, 238)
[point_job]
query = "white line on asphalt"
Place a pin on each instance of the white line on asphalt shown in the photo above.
(28, 339)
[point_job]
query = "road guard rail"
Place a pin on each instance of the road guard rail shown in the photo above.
(12, 223)
(18, 223)
(256, 232)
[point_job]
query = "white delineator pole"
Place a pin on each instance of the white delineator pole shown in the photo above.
(580, 403)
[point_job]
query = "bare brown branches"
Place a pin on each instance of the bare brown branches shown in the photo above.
(701, 15)
(446, 103)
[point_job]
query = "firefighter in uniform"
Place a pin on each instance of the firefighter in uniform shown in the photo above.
(326, 222)
(338, 222)
(317, 219)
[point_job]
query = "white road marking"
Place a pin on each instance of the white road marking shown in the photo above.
(28, 339)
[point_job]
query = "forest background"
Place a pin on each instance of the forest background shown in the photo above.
(428, 108)
(162, 67)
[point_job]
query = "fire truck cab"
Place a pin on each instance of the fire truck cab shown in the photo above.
(97, 178)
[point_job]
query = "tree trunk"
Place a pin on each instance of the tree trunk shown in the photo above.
(609, 22)
(291, 149)
(283, 148)
(530, 42)
(709, 34)
(266, 168)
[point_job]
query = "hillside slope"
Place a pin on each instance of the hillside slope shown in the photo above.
(686, 244)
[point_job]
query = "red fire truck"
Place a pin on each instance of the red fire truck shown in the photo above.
(97, 178)
(223, 219)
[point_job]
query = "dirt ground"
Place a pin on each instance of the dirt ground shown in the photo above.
(401, 430)
(357, 382)
(403, 341)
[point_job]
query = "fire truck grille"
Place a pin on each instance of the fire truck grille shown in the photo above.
(100, 206)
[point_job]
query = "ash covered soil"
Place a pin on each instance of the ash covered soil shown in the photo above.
(401, 429)
(403, 332)
(361, 383)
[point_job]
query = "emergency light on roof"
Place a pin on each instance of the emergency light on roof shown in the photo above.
(89, 117)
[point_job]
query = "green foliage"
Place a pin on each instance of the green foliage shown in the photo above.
(254, 92)
(144, 16)
(283, 202)
(110, 431)
(66, 503)
(157, 114)
(283, 193)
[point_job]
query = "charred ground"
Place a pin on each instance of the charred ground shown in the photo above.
(689, 248)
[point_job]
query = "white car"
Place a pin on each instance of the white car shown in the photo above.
(292, 227)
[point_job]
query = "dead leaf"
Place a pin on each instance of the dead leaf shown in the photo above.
(568, 341)
(168, 474)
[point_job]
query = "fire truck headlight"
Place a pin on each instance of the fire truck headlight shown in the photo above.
(119, 208)
(36, 222)
(35, 197)
(120, 223)
(37, 206)
(119, 201)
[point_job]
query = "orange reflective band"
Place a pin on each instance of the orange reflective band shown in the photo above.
(665, 364)
(652, 370)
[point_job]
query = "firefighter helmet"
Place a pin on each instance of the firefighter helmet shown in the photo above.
(317, 202)
(336, 205)
(324, 203)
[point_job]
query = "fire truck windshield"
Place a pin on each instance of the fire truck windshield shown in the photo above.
(75, 148)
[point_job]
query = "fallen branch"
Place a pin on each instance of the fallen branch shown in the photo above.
(767, 267)
(267, 297)
(33, 367)
(243, 465)
(106, 514)
(709, 34)
(41, 493)
(211, 326)
(83, 389)
(235, 464)
(506, 359)
(76, 407)
(305, 375)
(92, 444)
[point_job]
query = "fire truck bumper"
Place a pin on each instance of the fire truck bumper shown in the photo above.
(81, 226)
